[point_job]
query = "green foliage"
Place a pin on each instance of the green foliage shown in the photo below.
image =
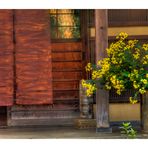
(124, 68)
(127, 130)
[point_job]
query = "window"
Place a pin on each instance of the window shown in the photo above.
(65, 24)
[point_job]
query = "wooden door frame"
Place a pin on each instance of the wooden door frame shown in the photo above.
(84, 37)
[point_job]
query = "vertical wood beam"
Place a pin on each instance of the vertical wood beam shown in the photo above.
(145, 112)
(102, 96)
(84, 35)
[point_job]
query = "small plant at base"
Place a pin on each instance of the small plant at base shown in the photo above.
(127, 130)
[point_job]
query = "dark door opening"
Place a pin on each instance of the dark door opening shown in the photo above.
(3, 116)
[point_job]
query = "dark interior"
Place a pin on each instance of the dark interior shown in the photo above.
(3, 116)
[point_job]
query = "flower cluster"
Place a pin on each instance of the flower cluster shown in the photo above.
(133, 100)
(88, 67)
(124, 68)
(90, 88)
(117, 84)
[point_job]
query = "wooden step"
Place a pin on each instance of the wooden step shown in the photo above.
(85, 123)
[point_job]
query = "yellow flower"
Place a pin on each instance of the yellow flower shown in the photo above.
(122, 36)
(88, 67)
(132, 43)
(136, 85)
(137, 49)
(136, 55)
(99, 63)
(105, 66)
(145, 47)
(142, 90)
(114, 61)
(145, 59)
(118, 92)
(90, 88)
(134, 73)
(115, 48)
(83, 82)
(113, 79)
(147, 75)
(117, 84)
(144, 81)
(96, 74)
(132, 100)
(108, 87)
(145, 62)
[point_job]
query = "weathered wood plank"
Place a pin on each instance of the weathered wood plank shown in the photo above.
(145, 112)
(67, 75)
(67, 65)
(66, 85)
(33, 57)
(6, 57)
(66, 94)
(71, 56)
(73, 46)
(102, 96)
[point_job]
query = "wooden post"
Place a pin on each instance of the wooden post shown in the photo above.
(102, 96)
(145, 112)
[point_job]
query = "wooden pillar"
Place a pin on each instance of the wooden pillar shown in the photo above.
(145, 112)
(102, 96)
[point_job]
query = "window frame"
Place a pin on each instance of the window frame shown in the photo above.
(60, 39)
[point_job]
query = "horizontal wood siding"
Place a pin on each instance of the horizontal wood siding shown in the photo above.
(67, 72)
(66, 95)
(128, 17)
(69, 75)
(123, 17)
(67, 66)
(66, 47)
(66, 57)
(33, 57)
(6, 57)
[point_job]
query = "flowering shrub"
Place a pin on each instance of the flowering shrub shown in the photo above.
(124, 68)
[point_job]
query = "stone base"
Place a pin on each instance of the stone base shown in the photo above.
(104, 130)
(85, 123)
(40, 116)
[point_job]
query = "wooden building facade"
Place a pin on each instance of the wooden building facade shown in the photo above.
(42, 58)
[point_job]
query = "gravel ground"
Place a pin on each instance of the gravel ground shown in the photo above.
(59, 133)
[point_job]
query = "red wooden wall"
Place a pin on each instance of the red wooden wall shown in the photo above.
(33, 57)
(67, 70)
(27, 62)
(6, 57)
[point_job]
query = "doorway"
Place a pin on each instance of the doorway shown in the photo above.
(68, 56)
